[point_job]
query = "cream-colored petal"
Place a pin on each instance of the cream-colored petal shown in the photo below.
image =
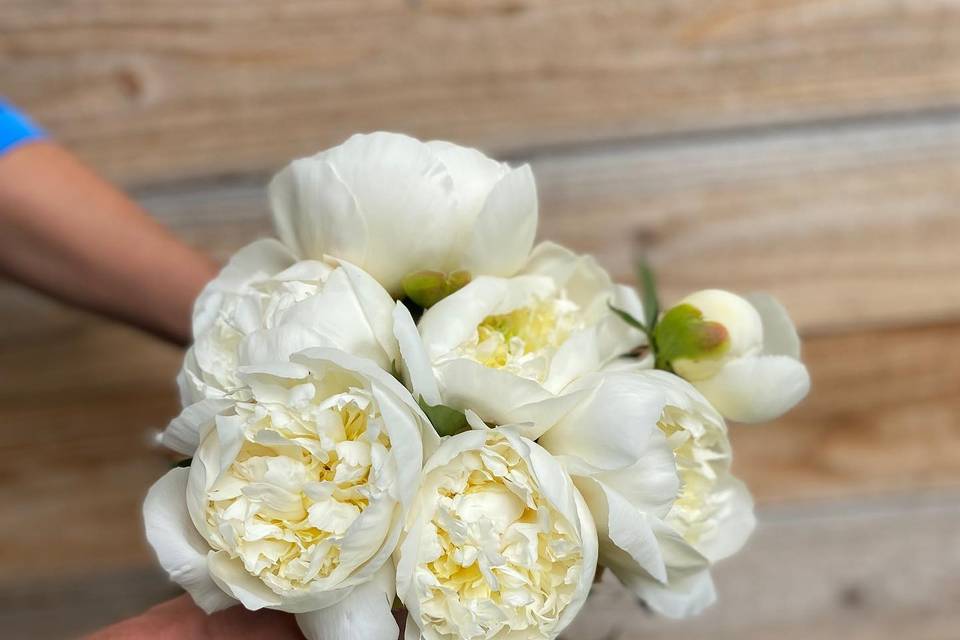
(365, 613)
(233, 579)
(504, 230)
(408, 200)
(182, 552)
(613, 429)
(414, 363)
(623, 526)
(315, 213)
(736, 523)
(757, 389)
(183, 433)
(779, 334)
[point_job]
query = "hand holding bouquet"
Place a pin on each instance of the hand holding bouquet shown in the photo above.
(404, 402)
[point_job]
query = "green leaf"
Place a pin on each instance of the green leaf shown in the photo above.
(651, 301)
(445, 420)
(683, 333)
(182, 464)
(427, 288)
(629, 319)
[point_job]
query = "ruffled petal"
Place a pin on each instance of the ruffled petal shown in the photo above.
(736, 523)
(183, 433)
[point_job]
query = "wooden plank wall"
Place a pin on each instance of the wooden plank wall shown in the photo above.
(806, 147)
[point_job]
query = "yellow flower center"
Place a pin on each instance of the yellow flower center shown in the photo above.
(501, 560)
(296, 486)
(523, 340)
(697, 448)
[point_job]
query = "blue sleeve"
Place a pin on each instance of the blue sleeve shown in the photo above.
(16, 128)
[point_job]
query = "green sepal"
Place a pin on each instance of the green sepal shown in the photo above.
(427, 288)
(683, 333)
(445, 420)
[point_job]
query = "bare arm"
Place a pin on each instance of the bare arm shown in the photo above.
(68, 233)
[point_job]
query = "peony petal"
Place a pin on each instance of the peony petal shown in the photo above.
(414, 361)
(623, 526)
(406, 197)
(182, 552)
(683, 596)
(407, 438)
(269, 346)
(183, 433)
(735, 526)
(757, 389)
(551, 260)
(232, 578)
(365, 613)
(500, 397)
(315, 213)
(454, 320)
(474, 176)
(613, 429)
(651, 484)
(504, 229)
(411, 631)
(258, 260)
(779, 335)
(688, 588)
(376, 305)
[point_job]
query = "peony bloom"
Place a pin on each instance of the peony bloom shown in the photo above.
(651, 458)
(755, 375)
(263, 288)
(507, 347)
(295, 497)
(498, 544)
(395, 207)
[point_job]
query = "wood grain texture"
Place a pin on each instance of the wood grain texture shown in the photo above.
(849, 226)
(154, 91)
(838, 571)
(854, 571)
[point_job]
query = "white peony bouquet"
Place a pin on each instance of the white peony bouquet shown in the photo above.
(404, 405)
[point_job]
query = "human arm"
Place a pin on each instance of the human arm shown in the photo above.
(70, 234)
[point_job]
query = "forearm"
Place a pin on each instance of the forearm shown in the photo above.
(66, 232)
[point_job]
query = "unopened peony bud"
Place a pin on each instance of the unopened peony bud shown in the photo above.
(707, 329)
(742, 354)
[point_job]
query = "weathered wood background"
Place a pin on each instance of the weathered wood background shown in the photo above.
(810, 148)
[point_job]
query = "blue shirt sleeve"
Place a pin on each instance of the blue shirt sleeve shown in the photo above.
(16, 128)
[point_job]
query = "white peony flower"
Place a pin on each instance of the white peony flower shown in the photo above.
(507, 347)
(264, 288)
(295, 498)
(395, 206)
(498, 544)
(756, 375)
(652, 460)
